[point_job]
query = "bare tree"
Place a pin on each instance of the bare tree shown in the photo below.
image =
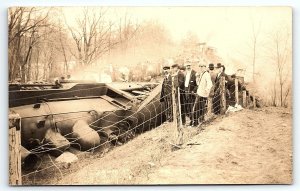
(255, 35)
(92, 36)
(274, 92)
(64, 46)
(282, 53)
(126, 31)
(24, 26)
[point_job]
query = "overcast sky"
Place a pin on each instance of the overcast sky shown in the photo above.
(223, 27)
(229, 29)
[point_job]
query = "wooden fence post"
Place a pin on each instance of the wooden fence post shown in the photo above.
(223, 95)
(174, 111)
(179, 125)
(209, 107)
(177, 115)
(236, 83)
(15, 176)
(248, 100)
(244, 99)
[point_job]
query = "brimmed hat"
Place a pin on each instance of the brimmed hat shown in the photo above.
(211, 66)
(174, 65)
(219, 65)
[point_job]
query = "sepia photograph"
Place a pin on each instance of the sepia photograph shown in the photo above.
(165, 95)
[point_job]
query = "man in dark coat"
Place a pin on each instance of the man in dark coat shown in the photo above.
(212, 72)
(178, 83)
(230, 99)
(166, 93)
(190, 89)
(217, 90)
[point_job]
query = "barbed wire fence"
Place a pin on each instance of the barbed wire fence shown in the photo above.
(126, 127)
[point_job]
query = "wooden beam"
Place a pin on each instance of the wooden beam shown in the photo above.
(244, 99)
(236, 83)
(15, 176)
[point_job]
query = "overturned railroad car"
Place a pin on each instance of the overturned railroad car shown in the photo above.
(82, 114)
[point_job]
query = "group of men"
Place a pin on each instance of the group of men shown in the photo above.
(192, 88)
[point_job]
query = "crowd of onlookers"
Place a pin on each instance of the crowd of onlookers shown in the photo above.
(192, 88)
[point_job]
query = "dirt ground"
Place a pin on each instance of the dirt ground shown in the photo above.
(246, 147)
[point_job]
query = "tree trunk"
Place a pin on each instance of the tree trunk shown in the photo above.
(254, 57)
(37, 66)
(23, 73)
(23, 67)
(28, 76)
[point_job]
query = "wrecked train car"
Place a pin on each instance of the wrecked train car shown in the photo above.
(82, 114)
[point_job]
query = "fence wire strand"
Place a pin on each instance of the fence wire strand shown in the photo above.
(153, 113)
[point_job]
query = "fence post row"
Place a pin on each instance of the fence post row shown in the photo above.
(15, 176)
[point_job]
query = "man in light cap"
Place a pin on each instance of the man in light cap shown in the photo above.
(204, 85)
(190, 88)
(166, 93)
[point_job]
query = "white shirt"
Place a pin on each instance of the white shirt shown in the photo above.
(167, 76)
(187, 78)
(204, 85)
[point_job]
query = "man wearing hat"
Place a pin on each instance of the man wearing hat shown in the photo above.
(220, 72)
(213, 75)
(166, 93)
(182, 69)
(217, 91)
(212, 72)
(204, 86)
(178, 83)
(190, 88)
